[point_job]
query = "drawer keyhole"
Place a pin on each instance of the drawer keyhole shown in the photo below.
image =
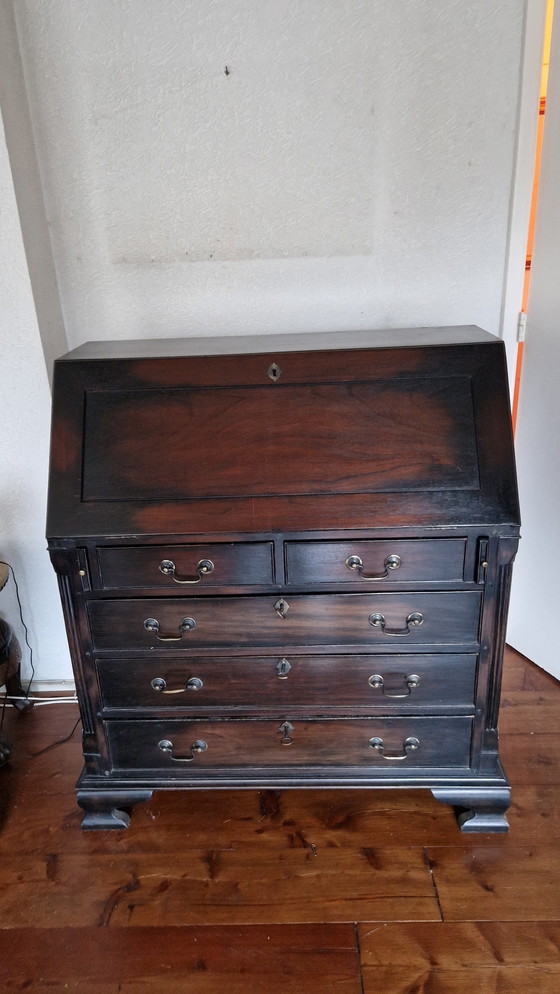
(286, 730)
(274, 372)
(281, 607)
(283, 667)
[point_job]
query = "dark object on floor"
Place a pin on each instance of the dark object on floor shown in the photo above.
(10, 659)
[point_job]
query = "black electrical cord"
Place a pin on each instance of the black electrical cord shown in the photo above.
(58, 742)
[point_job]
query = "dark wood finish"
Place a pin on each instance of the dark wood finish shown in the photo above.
(247, 684)
(478, 361)
(320, 743)
(450, 618)
(234, 563)
(336, 528)
(309, 427)
(420, 561)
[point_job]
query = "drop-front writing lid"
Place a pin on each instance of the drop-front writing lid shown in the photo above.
(326, 438)
(366, 437)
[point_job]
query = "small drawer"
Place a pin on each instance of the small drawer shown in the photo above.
(316, 684)
(386, 745)
(375, 561)
(387, 619)
(184, 567)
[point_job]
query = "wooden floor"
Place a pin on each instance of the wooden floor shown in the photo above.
(291, 892)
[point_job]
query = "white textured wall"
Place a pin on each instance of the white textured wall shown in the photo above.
(24, 440)
(352, 168)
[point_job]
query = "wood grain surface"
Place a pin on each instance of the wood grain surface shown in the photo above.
(283, 892)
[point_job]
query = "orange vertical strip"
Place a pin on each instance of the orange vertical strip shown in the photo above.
(534, 199)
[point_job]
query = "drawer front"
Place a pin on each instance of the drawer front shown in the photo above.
(449, 618)
(381, 744)
(375, 561)
(182, 567)
(316, 683)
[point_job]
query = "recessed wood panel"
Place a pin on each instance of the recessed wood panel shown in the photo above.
(410, 434)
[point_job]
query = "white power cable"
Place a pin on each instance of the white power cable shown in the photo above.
(40, 701)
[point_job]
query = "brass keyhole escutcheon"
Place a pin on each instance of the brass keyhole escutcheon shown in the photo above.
(283, 667)
(281, 607)
(274, 372)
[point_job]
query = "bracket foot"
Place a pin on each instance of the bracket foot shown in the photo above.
(103, 809)
(480, 809)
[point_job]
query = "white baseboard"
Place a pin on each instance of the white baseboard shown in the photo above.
(66, 687)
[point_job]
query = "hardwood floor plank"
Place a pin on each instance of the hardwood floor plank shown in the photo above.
(497, 883)
(453, 958)
(278, 878)
(454, 945)
(532, 712)
(531, 758)
(237, 819)
(218, 887)
(534, 818)
(199, 983)
(488, 980)
(171, 821)
(45, 773)
(520, 673)
(280, 959)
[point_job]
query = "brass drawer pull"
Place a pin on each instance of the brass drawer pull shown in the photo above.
(377, 682)
(409, 745)
(199, 746)
(187, 625)
(356, 563)
(205, 566)
(159, 684)
(415, 619)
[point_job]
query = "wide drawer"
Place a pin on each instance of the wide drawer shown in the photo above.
(183, 566)
(389, 743)
(319, 684)
(417, 618)
(375, 561)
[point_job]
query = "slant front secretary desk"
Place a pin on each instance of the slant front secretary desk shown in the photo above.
(285, 562)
